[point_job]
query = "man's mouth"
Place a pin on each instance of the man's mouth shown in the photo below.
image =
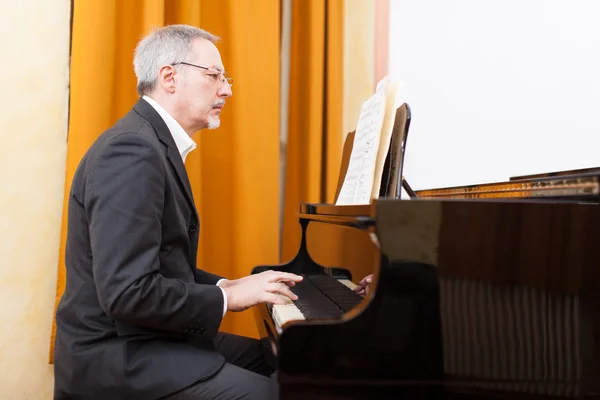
(218, 107)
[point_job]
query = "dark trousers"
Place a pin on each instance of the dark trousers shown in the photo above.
(246, 374)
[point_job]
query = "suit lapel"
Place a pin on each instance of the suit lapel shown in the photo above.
(164, 135)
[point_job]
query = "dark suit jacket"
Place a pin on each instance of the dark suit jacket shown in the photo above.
(137, 317)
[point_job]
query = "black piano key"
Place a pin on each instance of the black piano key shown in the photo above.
(322, 296)
(339, 293)
(312, 303)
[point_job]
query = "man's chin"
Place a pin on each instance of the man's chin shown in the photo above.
(213, 122)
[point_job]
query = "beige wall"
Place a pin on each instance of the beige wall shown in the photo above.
(33, 121)
(359, 62)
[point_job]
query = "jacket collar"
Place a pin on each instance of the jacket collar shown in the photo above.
(146, 111)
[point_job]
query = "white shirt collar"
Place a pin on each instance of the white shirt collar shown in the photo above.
(183, 141)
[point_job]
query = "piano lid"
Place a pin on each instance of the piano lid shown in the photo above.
(563, 185)
(594, 171)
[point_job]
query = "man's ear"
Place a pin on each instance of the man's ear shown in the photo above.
(166, 78)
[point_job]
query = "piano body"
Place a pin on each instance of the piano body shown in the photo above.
(479, 292)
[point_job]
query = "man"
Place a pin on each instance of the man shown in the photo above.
(137, 319)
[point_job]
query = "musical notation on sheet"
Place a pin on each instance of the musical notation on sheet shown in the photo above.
(358, 183)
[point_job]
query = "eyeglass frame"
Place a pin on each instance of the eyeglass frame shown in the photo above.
(224, 77)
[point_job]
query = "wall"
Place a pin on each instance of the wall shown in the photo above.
(359, 63)
(497, 88)
(33, 122)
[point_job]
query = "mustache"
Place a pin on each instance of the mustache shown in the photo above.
(219, 103)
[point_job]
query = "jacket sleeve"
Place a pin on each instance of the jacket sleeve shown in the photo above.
(206, 278)
(124, 200)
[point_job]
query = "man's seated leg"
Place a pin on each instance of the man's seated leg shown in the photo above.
(246, 374)
(244, 352)
(230, 383)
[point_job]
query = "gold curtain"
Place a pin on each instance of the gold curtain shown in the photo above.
(313, 153)
(315, 137)
(234, 172)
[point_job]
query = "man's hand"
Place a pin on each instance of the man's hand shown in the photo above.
(364, 285)
(266, 287)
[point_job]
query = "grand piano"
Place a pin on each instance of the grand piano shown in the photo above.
(480, 292)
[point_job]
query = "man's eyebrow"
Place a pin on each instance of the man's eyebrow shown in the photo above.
(216, 68)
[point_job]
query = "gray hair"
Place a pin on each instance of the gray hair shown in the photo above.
(167, 45)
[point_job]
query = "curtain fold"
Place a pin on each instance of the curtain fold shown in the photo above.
(314, 125)
(234, 170)
(315, 137)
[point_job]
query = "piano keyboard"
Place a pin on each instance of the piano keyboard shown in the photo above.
(306, 304)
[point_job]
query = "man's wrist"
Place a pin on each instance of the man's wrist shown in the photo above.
(230, 296)
(223, 283)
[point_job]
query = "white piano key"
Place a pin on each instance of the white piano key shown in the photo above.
(282, 314)
(348, 283)
(285, 313)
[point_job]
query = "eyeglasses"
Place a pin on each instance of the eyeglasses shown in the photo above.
(221, 75)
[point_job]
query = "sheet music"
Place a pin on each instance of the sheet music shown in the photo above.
(358, 182)
(392, 102)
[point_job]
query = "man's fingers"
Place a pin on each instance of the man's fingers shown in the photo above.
(285, 277)
(363, 287)
(282, 289)
(273, 298)
(366, 280)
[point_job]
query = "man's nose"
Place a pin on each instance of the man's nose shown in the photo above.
(225, 91)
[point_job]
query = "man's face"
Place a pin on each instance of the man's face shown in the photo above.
(202, 91)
